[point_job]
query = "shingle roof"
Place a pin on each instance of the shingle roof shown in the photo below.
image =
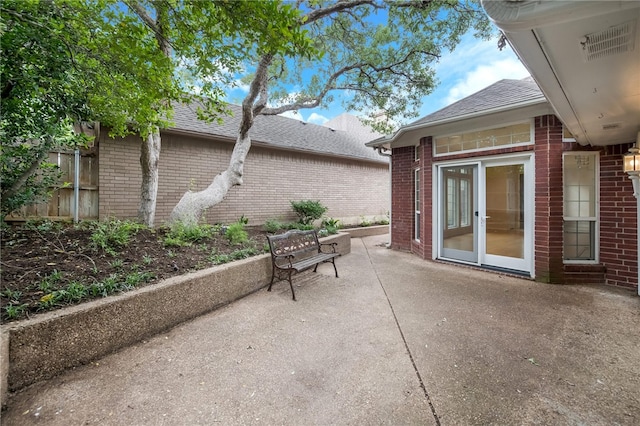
(279, 132)
(499, 95)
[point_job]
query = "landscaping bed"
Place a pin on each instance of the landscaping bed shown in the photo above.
(47, 265)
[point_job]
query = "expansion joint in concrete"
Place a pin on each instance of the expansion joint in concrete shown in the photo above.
(406, 345)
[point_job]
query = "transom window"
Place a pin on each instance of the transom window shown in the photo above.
(515, 134)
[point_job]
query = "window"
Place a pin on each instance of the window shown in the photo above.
(416, 153)
(580, 170)
(416, 194)
(515, 134)
(458, 197)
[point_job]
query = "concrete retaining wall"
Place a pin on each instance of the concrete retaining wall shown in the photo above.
(43, 347)
(366, 231)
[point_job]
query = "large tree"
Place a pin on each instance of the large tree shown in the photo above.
(208, 42)
(124, 64)
(380, 52)
(64, 62)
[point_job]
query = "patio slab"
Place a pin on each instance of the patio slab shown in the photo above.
(394, 340)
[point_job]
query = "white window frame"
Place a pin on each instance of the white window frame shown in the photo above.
(595, 219)
(532, 139)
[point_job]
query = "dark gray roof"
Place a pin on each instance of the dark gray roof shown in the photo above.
(499, 95)
(279, 132)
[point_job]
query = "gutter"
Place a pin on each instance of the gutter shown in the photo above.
(526, 15)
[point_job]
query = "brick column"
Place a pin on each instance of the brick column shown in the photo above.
(402, 198)
(548, 200)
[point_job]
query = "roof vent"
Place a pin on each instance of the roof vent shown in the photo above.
(610, 126)
(614, 40)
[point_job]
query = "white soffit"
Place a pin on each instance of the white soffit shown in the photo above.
(585, 56)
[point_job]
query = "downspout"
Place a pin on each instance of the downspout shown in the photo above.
(76, 186)
(637, 195)
(383, 152)
(635, 178)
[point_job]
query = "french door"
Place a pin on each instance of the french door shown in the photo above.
(485, 213)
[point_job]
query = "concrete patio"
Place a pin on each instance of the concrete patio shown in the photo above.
(395, 340)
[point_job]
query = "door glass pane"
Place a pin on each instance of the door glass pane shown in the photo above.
(504, 211)
(459, 232)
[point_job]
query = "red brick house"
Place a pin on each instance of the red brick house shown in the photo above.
(524, 180)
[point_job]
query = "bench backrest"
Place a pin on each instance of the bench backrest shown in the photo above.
(293, 242)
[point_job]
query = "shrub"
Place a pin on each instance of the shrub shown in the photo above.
(236, 234)
(181, 234)
(331, 225)
(308, 210)
(273, 226)
(364, 222)
(112, 234)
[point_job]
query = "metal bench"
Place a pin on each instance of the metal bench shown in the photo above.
(296, 251)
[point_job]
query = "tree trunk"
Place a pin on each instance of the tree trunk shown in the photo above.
(192, 205)
(149, 157)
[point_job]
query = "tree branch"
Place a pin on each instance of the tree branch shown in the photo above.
(330, 84)
(257, 91)
(339, 6)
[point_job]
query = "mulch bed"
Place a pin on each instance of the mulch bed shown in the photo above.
(38, 262)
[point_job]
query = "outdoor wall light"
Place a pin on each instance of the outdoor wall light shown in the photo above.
(632, 166)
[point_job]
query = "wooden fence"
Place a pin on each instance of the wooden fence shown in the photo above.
(61, 204)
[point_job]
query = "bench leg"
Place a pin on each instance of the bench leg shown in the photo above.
(334, 266)
(293, 293)
(273, 276)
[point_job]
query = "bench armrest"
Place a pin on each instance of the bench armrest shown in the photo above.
(332, 247)
(288, 257)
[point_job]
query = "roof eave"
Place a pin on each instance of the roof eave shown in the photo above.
(388, 142)
(522, 21)
(262, 144)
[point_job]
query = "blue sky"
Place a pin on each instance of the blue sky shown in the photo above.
(474, 65)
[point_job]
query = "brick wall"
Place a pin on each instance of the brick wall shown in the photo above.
(618, 217)
(618, 253)
(273, 178)
(548, 251)
(402, 198)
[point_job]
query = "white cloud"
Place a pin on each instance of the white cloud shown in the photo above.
(292, 114)
(474, 65)
(483, 76)
(239, 85)
(317, 118)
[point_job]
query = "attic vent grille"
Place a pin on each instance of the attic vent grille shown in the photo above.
(614, 40)
(610, 126)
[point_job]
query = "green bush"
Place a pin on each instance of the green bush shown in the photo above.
(113, 234)
(331, 225)
(273, 226)
(236, 234)
(308, 210)
(185, 235)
